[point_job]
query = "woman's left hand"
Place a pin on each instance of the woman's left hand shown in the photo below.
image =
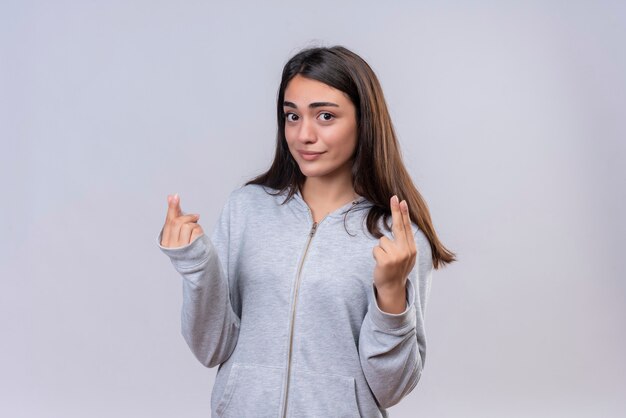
(395, 257)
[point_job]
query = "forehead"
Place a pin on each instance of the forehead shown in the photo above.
(306, 90)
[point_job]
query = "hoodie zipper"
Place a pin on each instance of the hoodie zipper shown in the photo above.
(293, 306)
(293, 313)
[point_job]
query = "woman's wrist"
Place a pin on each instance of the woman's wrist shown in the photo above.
(391, 298)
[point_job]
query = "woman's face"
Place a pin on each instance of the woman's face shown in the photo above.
(320, 127)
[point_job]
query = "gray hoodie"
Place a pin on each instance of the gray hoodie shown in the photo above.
(286, 308)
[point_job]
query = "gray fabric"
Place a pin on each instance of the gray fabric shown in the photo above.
(349, 358)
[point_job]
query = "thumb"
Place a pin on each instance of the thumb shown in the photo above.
(173, 209)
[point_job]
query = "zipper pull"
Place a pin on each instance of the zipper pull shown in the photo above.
(313, 228)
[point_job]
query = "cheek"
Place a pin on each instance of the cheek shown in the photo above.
(289, 137)
(344, 141)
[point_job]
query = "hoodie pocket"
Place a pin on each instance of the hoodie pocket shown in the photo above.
(251, 390)
(322, 395)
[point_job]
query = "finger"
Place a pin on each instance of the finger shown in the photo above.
(186, 231)
(165, 234)
(167, 228)
(196, 232)
(386, 244)
(397, 227)
(174, 234)
(173, 207)
(177, 226)
(378, 254)
(183, 219)
(410, 239)
(164, 237)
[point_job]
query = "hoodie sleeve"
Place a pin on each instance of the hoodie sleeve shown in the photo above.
(392, 347)
(209, 324)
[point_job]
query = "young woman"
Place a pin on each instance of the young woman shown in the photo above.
(310, 292)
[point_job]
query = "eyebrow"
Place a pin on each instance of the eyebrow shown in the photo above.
(311, 105)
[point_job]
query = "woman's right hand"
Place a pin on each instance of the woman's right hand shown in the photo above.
(179, 229)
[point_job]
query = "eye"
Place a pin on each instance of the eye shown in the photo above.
(327, 114)
(287, 116)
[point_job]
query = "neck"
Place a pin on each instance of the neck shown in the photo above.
(328, 190)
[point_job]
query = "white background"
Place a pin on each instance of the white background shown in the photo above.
(511, 118)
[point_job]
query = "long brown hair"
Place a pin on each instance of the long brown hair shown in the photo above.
(377, 170)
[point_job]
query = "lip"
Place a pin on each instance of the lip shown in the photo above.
(310, 155)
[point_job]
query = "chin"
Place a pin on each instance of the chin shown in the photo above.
(313, 172)
(310, 173)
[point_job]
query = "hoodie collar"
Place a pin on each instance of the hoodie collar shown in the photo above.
(359, 201)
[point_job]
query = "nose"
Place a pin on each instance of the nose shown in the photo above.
(307, 133)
